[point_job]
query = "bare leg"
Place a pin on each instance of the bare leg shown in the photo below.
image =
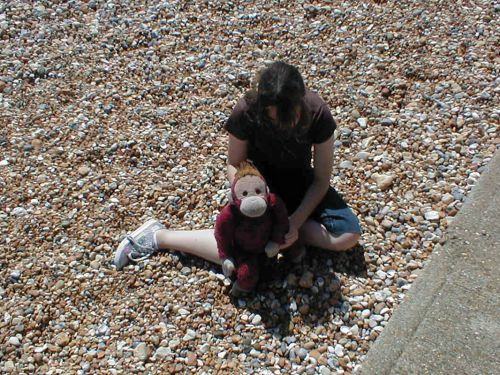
(315, 234)
(200, 243)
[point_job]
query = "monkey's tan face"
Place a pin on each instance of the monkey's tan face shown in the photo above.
(252, 193)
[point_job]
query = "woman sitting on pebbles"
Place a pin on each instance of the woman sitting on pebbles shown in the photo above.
(279, 126)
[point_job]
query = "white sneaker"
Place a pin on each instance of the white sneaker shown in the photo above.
(138, 245)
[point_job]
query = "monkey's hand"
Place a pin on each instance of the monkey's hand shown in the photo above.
(228, 267)
(272, 249)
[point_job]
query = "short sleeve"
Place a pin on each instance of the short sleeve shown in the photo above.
(236, 124)
(323, 125)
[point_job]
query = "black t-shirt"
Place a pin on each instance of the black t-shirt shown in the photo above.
(283, 160)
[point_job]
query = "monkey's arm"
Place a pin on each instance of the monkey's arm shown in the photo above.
(224, 232)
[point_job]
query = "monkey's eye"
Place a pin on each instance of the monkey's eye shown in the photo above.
(258, 191)
(245, 193)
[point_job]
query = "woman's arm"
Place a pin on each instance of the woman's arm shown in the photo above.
(323, 164)
(236, 153)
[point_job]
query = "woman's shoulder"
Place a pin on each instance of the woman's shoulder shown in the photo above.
(242, 105)
(322, 123)
(242, 108)
(313, 101)
(238, 121)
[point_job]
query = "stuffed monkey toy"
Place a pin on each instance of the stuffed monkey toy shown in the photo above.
(252, 224)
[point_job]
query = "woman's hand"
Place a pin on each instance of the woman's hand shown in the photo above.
(291, 236)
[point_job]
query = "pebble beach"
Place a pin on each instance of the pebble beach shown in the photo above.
(112, 112)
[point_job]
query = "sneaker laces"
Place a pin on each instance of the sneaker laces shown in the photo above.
(140, 252)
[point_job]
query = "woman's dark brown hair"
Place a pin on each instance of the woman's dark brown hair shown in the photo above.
(280, 85)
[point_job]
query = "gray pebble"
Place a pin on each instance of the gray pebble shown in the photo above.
(141, 351)
(388, 121)
(302, 353)
(362, 155)
(256, 319)
(102, 330)
(345, 132)
(346, 164)
(15, 275)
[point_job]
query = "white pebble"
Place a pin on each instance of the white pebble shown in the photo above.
(14, 341)
(41, 349)
(362, 155)
(354, 330)
(379, 297)
(19, 211)
(362, 122)
(377, 318)
(432, 216)
(256, 319)
(9, 366)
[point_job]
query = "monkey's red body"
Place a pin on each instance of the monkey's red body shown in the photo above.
(244, 238)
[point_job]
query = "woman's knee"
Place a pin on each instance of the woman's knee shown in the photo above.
(347, 241)
(315, 233)
(310, 229)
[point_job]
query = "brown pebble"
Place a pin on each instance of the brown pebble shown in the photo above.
(281, 362)
(83, 171)
(315, 354)
(62, 339)
(343, 362)
(309, 345)
(378, 307)
(36, 143)
(236, 339)
(191, 359)
(304, 309)
(322, 360)
(358, 292)
(306, 280)
(38, 357)
(323, 349)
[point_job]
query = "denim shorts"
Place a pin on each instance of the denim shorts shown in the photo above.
(335, 215)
